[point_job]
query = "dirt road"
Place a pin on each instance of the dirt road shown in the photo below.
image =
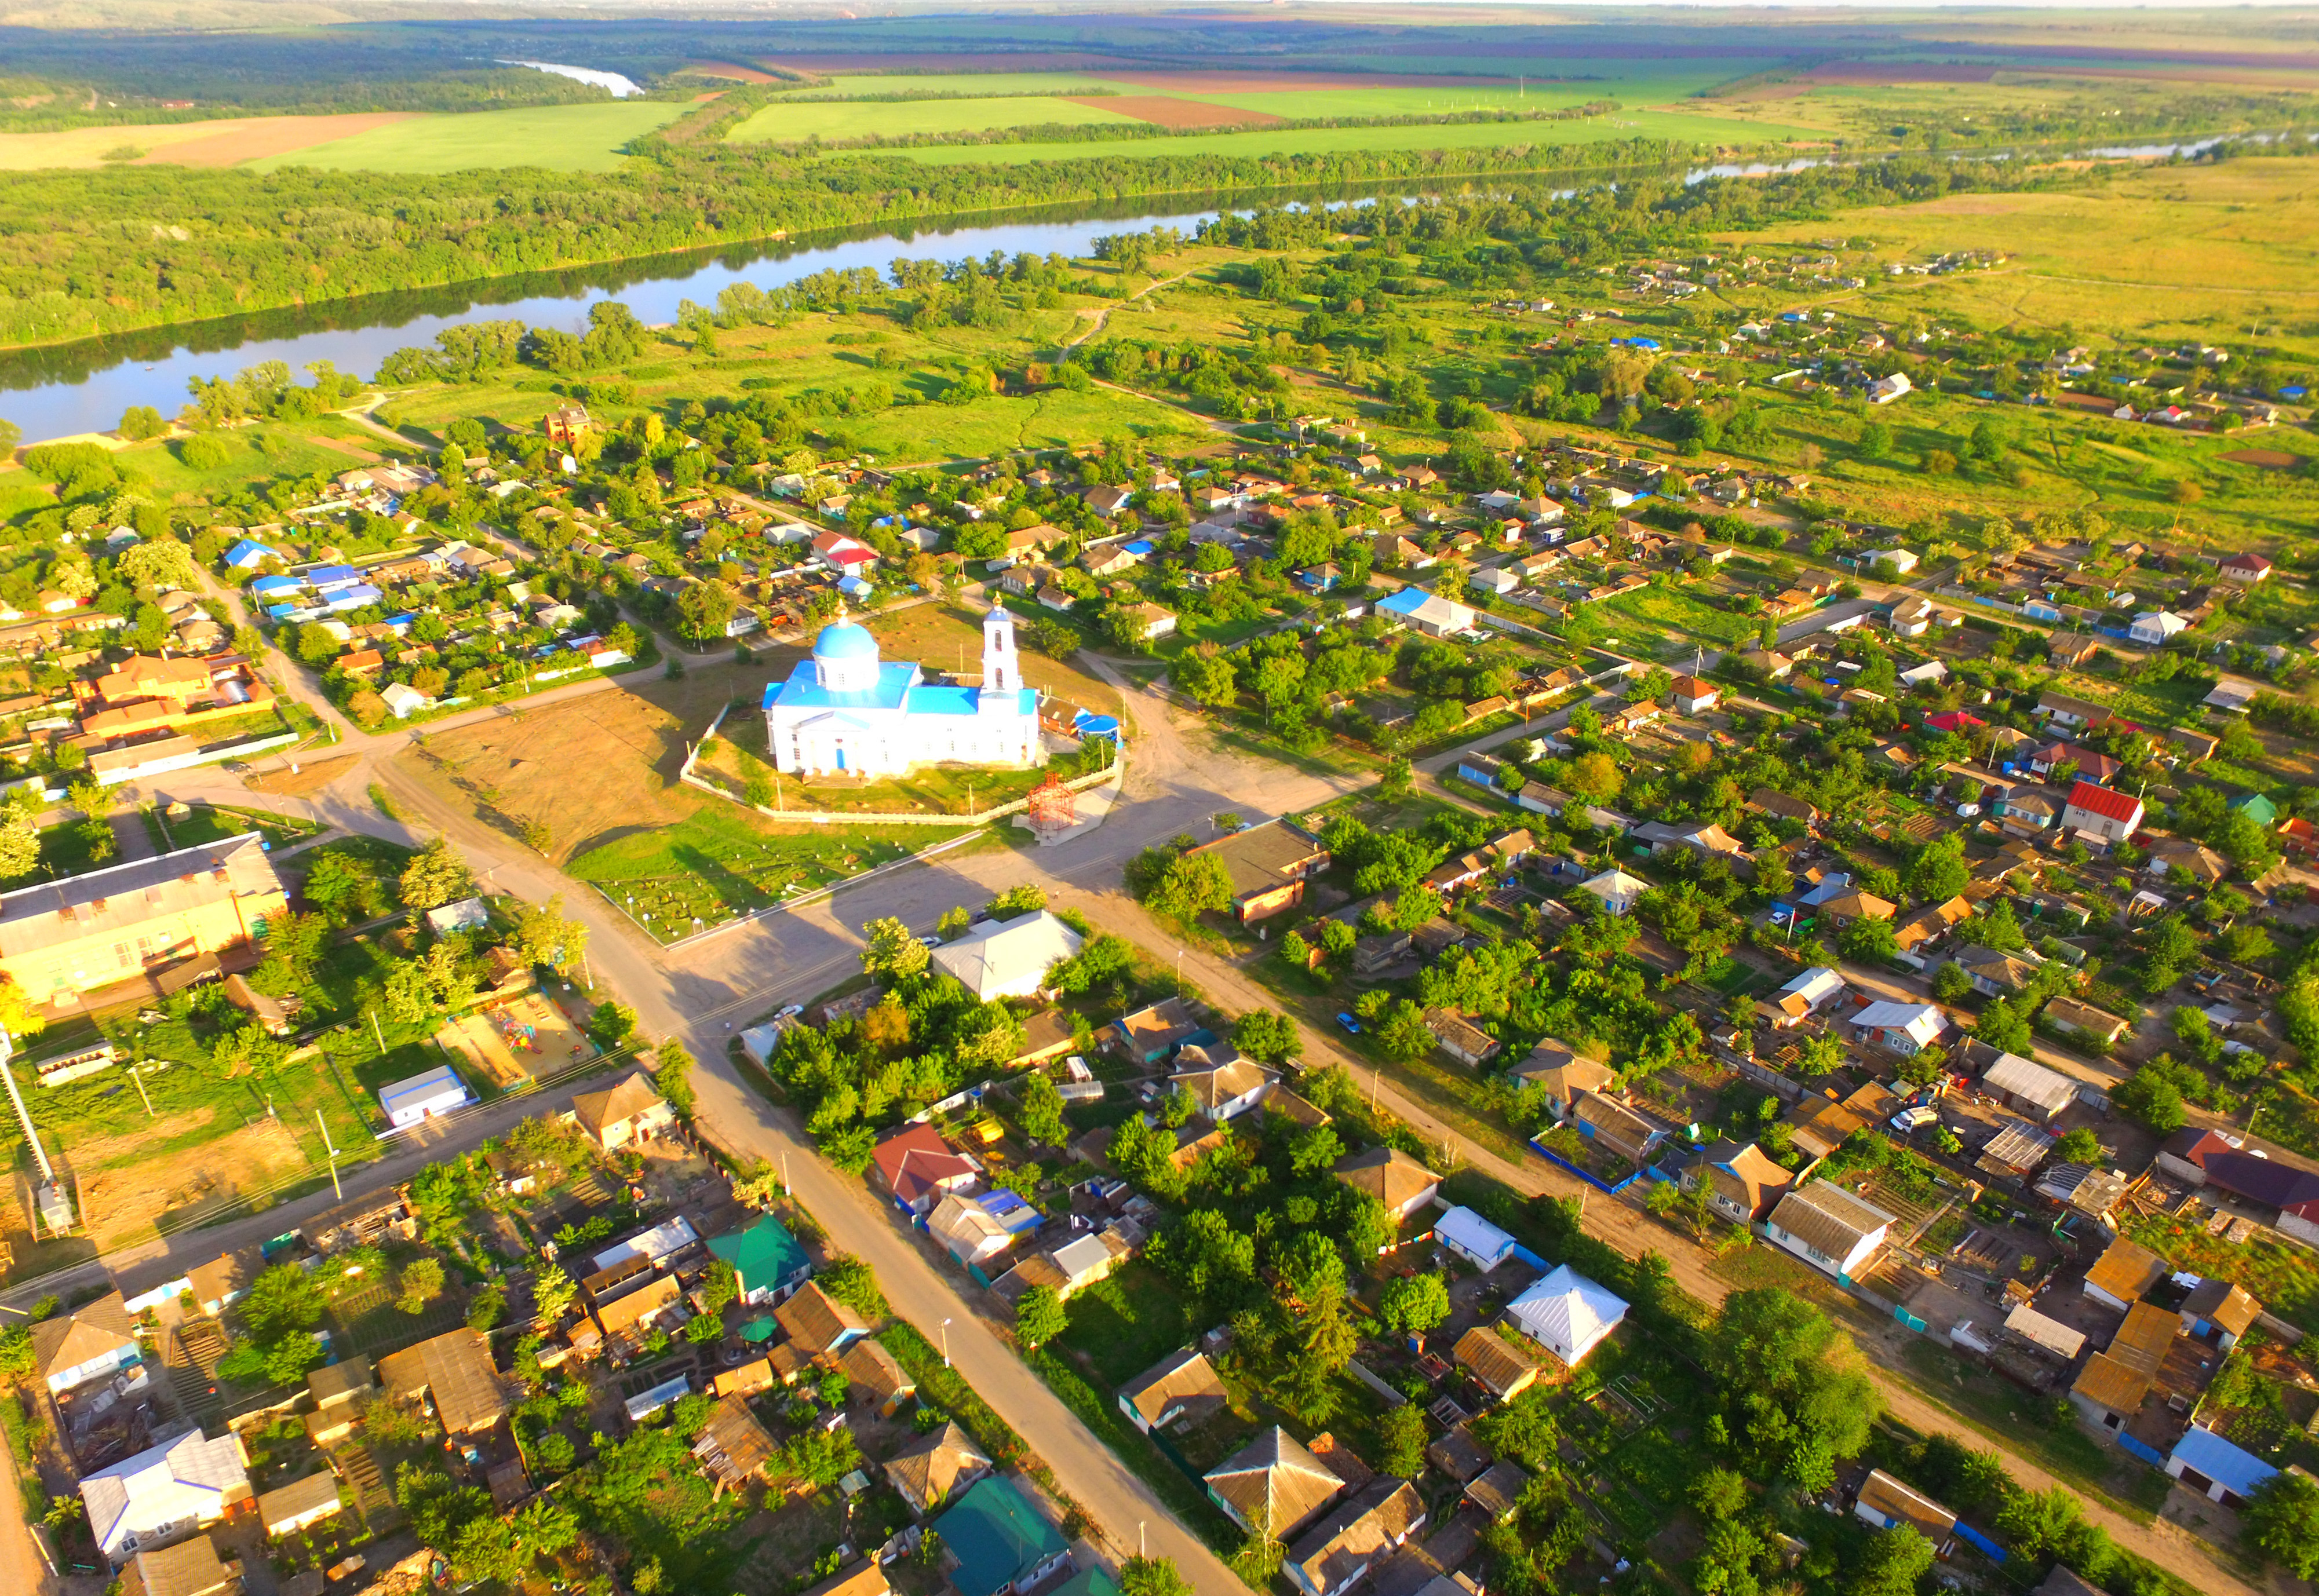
(701, 993)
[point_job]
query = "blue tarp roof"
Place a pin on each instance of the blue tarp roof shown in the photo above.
(2229, 1466)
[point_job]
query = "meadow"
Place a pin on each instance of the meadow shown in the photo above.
(1676, 126)
(556, 138)
(2160, 253)
(974, 85)
(863, 119)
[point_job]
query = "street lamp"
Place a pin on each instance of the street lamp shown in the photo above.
(945, 1330)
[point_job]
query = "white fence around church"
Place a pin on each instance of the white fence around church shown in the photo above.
(880, 816)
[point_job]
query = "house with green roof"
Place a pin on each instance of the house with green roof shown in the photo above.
(999, 1544)
(2258, 808)
(767, 1258)
(1087, 1581)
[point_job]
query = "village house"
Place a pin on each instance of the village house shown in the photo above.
(1829, 1228)
(1268, 864)
(820, 1325)
(164, 1494)
(1568, 1314)
(996, 1544)
(1392, 1177)
(1273, 1485)
(1743, 1186)
(1181, 1391)
(1494, 1363)
(624, 1115)
(925, 1471)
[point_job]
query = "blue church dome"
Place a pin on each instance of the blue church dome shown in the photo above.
(842, 640)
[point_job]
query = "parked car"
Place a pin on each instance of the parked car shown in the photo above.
(1352, 1026)
(791, 1012)
(1909, 1121)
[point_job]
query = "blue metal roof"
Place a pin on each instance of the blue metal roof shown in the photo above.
(333, 576)
(843, 640)
(2229, 1466)
(1407, 602)
(801, 691)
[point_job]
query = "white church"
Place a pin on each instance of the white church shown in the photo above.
(846, 711)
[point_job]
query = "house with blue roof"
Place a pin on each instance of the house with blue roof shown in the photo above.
(267, 587)
(847, 711)
(2224, 1470)
(323, 578)
(249, 554)
(999, 1544)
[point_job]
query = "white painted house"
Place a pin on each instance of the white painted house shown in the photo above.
(1828, 1228)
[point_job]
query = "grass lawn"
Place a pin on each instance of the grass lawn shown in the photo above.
(834, 119)
(1124, 1324)
(1676, 610)
(560, 138)
(210, 824)
(1681, 127)
(719, 864)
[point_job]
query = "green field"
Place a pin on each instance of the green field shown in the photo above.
(1398, 100)
(559, 138)
(894, 119)
(979, 84)
(1678, 126)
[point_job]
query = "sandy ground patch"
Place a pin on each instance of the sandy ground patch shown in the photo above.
(347, 446)
(1167, 111)
(217, 142)
(269, 135)
(1975, 204)
(123, 1204)
(728, 69)
(588, 768)
(307, 778)
(2268, 459)
(505, 1043)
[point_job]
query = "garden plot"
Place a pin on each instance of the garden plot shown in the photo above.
(129, 1187)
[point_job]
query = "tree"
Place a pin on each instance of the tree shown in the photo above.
(2282, 1523)
(672, 1065)
(288, 1358)
(612, 1026)
(1794, 1387)
(283, 1299)
(2005, 1027)
(1040, 1317)
(159, 563)
(2080, 1146)
(1401, 1441)
(1895, 1560)
(1268, 1035)
(1189, 886)
(1405, 1035)
(553, 1291)
(1412, 1304)
(546, 935)
(1869, 940)
(893, 952)
(849, 1280)
(1939, 873)
(1041, 1109)
(422, 1283)
(1951, 984)
(1152, 1577)
(435, 875)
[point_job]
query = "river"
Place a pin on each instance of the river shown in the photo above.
(85, 387)
(76, 388)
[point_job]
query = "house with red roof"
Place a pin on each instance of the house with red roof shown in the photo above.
(917, 1167)
(848, 557)
(2102, 812)
(2246, 569)
(1955, 720)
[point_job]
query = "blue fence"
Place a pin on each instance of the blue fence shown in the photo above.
(1560, 1162)
(1981, 1543)
(2149, 1454)
(1529, 1258)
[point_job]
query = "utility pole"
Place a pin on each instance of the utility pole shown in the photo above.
(378, 1035)
(335, 1190)
(138, 1076)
